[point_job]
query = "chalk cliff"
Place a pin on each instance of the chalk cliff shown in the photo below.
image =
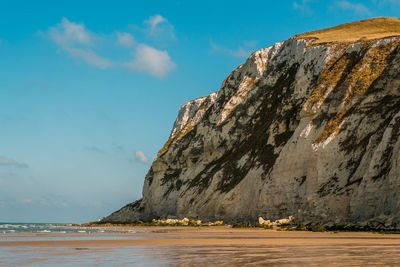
(308, 127)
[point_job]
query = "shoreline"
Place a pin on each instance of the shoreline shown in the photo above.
(283, 227)
(200, 246)
(198, 236)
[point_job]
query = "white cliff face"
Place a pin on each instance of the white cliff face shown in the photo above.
(298, 129)
(191, 112)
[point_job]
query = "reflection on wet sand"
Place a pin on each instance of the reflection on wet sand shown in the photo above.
(205, 246)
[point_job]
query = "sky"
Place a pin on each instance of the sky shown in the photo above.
(89, 90)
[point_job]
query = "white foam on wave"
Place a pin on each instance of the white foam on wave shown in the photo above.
(9, 226)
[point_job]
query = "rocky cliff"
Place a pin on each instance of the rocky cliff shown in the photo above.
(308, 127)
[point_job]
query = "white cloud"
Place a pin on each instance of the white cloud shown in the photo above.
(358, 8)
(80, 43)
(77, 41)
(160, 29)
(303, 6)
(240, 52)
(68, 33)
(152, 61)
(140, 156)
(10, 162)
(155, 20)
(125, 39)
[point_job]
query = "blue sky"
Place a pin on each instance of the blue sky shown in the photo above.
(90, 89)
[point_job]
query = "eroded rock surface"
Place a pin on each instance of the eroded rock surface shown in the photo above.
(302, 128)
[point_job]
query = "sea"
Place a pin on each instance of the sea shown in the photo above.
(54, 228)
(70, 256)
(235, 247)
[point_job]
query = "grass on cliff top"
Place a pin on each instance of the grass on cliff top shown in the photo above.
(367, 29)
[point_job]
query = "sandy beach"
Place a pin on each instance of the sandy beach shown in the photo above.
(201, 246)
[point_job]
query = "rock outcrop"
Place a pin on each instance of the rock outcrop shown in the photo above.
(308, 127)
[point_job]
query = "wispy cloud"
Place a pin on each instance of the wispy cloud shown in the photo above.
(151, 60)
(356, 8)
(303, 7)
(125, 39)
(155, 20)
(141, 157)
(90, 57)
(77, 41)
(52, 200)
(80, 43)
(159, 28)
(12, 163)
(241, 52)
(95, 149)
(68, 34)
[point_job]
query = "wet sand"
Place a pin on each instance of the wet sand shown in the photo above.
(204, 246)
